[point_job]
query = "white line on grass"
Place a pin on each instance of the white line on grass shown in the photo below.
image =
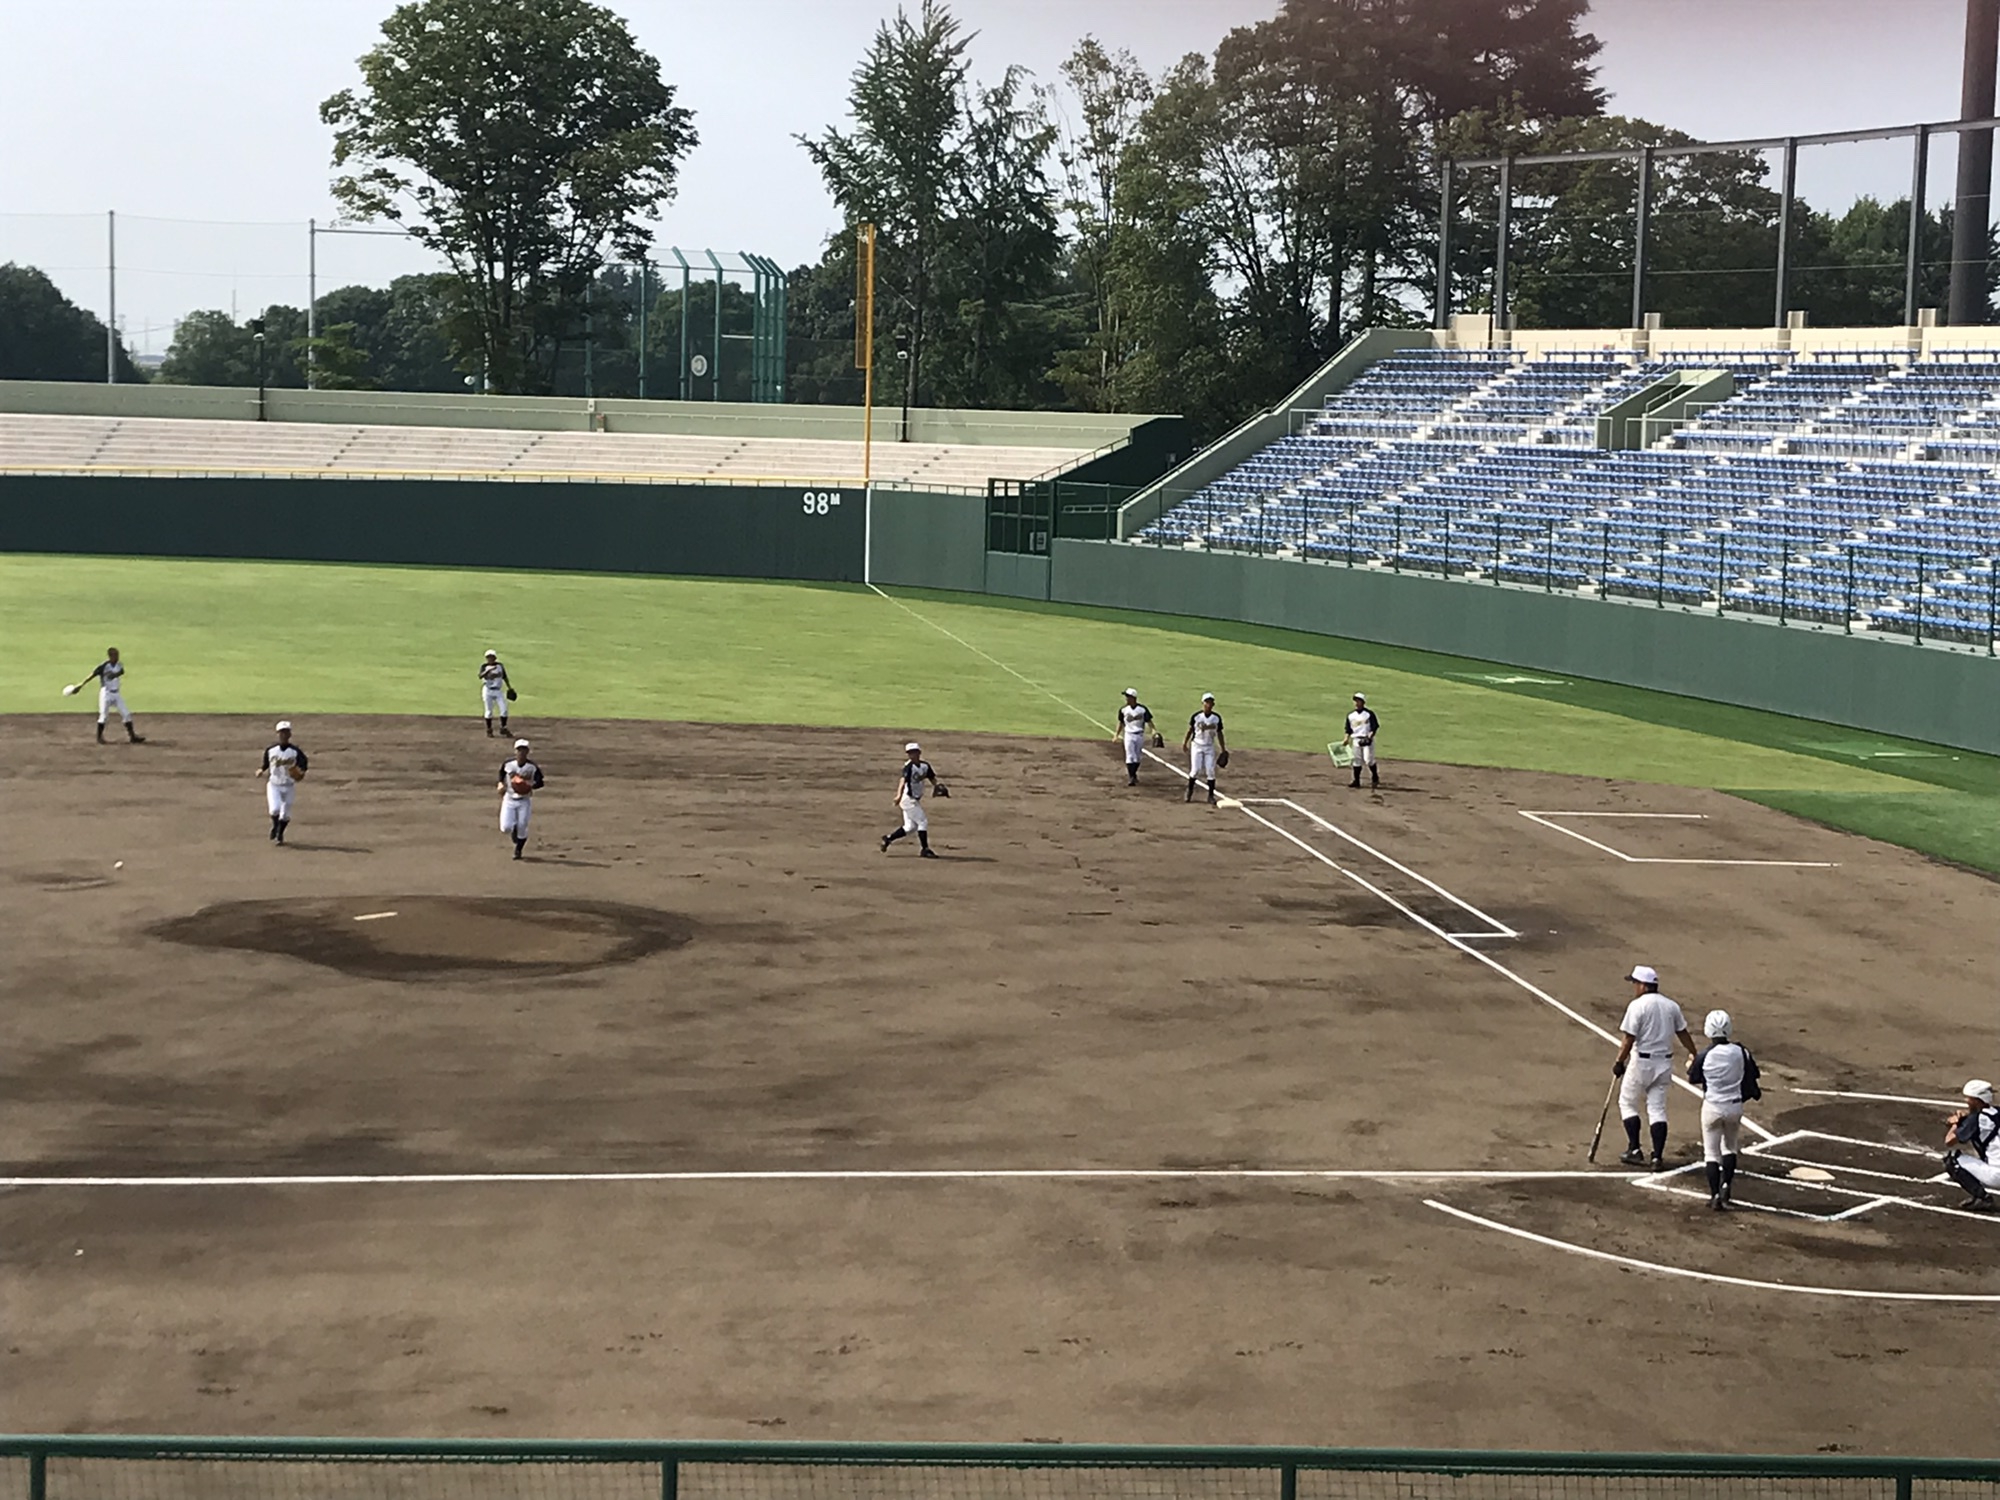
(1588, 1253)
(1542, 819)
(1029, 1174)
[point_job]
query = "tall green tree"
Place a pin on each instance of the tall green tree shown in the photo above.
(525, 143)
(1110, 91)
(45, 336)
(897, 167)
(211, 348)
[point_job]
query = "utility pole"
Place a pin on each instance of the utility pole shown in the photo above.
(111, 311)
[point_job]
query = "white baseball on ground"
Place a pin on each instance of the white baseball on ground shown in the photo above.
(117, 864)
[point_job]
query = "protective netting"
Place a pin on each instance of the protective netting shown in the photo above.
(1029, 1477)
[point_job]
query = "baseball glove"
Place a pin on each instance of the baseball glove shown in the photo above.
(512, 695)
(1159, 742)
(521, 785)
(298, 771)
(944, 791)
(1222, 760)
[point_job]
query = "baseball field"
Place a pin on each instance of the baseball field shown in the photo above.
(1126, 1120)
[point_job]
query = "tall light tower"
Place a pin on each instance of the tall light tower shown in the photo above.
(1972, 208)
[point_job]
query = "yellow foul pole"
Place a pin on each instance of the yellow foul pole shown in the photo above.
(864, 341)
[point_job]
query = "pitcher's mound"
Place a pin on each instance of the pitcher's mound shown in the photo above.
(410, 937)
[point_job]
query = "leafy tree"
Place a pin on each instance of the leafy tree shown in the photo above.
(45, 336)
(896, 170)
(1111, 90)
(525, 143)
(211, 348)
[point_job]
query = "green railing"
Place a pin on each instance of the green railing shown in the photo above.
(186, 1468)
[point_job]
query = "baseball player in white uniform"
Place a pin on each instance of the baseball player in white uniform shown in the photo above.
(1135, 721)
(1645, 1062)
(1361, 728)
(520, 779)
(1726, 1074)
(915, 778)
(495, 691)
(109, 675)
(1972, 1147)
(283, 767)
(1205, 745)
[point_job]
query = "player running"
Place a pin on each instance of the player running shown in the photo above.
(1135, 720)
(283, 767)
(495, 691)
(109, 675)
(520, 779)
(911, 784)
(1206, 747)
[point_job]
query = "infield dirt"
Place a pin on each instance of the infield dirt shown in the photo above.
(706, 965)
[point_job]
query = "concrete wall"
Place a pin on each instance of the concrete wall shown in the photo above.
(1869, 682)
(766, 532)
(929, 541)
(1082, 431)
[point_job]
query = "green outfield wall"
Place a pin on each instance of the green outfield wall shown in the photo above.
(1869, 682)
(929, 541)
(743, 531)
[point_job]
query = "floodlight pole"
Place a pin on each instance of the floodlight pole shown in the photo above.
(1506, 216)
(1639, 224)
(1442, 306)
(312, 302)
(1914, 251)
(864, 342)
(1787, 193)
(111, 300)
(1972, 206)
(642, 328)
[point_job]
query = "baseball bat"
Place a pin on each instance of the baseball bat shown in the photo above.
(1597, 1136)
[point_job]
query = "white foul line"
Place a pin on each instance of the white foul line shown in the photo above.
(1454, 940)
(1712, 1276)
(946, 1174)
(1542, 818)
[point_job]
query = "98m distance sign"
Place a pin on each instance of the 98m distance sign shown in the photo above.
(821, 502)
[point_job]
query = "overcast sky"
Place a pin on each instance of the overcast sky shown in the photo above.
(207, 110)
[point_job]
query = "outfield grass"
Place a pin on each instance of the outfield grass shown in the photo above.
(305, 639)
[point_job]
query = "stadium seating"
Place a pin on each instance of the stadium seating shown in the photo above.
(58, 444)
(1860, 490)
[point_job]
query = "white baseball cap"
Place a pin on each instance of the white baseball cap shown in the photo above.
(1717, 1024)
(1360, 697)
(284, 723)
(1978, 1088)
(1131, 692)
(492, 655)
(1641, 974)
(520, 744)
(913, 745)
(1208, 697)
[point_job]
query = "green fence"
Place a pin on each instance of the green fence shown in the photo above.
(142, 1468)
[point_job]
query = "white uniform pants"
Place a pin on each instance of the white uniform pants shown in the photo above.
(494, 698)
(514, 814)
(1201, 763)
(1364, 752)
(1984, 1172)
(1135, 746)
(914, 818)
(1720, 1124)
(278, 793)
(1645, 1082)
(109, 699)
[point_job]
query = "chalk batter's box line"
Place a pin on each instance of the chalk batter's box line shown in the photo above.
(1543, 818)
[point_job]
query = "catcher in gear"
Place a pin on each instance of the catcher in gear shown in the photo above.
(520, 779)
